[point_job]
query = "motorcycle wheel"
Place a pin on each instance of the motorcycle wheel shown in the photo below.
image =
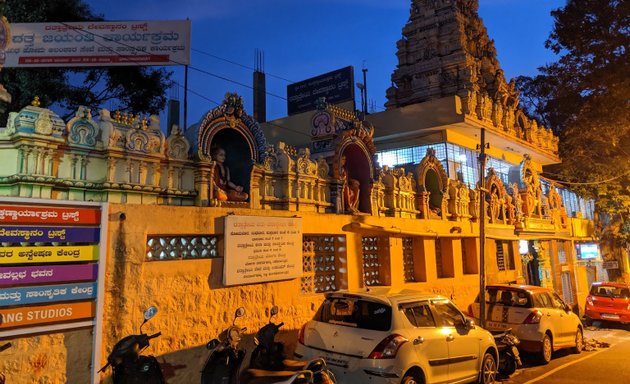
(507, 365)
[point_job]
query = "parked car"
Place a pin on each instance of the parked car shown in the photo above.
(609, 302)
(537, 316)
(378, 336)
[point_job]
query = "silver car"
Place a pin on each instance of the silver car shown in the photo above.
(378, 336)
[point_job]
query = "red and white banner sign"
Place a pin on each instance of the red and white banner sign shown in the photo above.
(103, 43)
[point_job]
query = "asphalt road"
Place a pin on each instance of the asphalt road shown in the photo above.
(605, 365)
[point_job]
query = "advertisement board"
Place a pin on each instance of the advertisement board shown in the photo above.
(261, 249)
(587, 251)
(99, 43)
(51, 270)
(336, 86)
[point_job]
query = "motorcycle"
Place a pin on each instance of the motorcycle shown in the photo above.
(2, 348)
(509, 358)
(224, 362)
(269, 354)
(129, 366)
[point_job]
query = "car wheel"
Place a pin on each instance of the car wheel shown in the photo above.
(579, 341)
(411, 379)
(546, 350)
(588, 321)
(507, 366)
(488, 370)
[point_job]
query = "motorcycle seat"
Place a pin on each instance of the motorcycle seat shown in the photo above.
(294, 365)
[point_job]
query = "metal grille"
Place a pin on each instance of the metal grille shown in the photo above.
(322, 263)
(410, 155)
(500, 255)
(371, 263)
(438, 258)
(181, 247)
(408, 259)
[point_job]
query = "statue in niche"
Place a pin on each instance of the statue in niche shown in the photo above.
(351, 189)
(351, 196)
(224, 188)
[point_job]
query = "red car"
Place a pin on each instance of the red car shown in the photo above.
(609, 302)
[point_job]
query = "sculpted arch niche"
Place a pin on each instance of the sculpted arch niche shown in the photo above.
(433, 186)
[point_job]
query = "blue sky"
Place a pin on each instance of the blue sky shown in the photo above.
(305, 38)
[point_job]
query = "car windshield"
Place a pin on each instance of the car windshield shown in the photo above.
(610, 291)
(353, 312)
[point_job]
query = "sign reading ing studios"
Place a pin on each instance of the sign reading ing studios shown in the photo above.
(28, 268)
(261, 249)
(336, 86)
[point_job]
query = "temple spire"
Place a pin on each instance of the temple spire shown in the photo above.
(444, 51)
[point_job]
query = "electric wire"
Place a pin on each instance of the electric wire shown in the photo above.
(239, 64)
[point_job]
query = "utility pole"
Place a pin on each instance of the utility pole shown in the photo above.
(482, 231)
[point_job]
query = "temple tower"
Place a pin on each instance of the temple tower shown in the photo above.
(444, 51)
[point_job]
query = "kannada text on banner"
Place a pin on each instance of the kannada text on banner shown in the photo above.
(44, 274)
(92, 43)
(47, 294)
(261, 249)
(24, 234)
(46, 254)
(23, 214)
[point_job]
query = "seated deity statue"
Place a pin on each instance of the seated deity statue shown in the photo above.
(224, 189)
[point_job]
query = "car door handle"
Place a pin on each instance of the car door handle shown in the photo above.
(450, 338)
(418, 340)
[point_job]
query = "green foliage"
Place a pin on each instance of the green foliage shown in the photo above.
(585, 98)
(135, 89)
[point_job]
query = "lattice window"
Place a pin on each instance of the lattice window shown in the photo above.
(408, 259)
(500, 255)
(562, 254)
(372, 265)
(322, 256)
(181, 247)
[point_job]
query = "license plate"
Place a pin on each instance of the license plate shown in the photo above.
(610, 316)
(496, 325)
(337, 362)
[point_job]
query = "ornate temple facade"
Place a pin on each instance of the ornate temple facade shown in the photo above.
(366, 220)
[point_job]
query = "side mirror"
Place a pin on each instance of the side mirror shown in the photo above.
(469, 324)
(148, 314)
(212, 344)
(273, 312)
(567, 308)
(240, 312)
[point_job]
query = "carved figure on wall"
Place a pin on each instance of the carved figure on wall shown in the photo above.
(224, 188)
(518, 203)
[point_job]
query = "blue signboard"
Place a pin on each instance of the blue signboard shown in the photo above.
(336, 86)
(28, 234)
(47, 294)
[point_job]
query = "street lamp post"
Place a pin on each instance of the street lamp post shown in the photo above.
(482, 233)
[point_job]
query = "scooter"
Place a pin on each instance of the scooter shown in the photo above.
(129, 366)
(509, 358)
(226, 357)
(269, 354)
(2, 348)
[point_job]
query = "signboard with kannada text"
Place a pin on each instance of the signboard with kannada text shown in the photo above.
(24, 214)
(42, 255)
(336, 86)
(99, 43)
(45, 314)
(261, 249)
(44, 274)
(24, 234)
(47, 294)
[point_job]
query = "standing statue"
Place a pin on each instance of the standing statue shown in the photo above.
(224, 188)
(351, 195)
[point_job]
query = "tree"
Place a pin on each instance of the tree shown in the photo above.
(585, 98)
(131, 88)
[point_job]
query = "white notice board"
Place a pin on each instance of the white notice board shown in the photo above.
(261, 249)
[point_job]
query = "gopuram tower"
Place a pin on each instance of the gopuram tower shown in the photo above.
(444, 51)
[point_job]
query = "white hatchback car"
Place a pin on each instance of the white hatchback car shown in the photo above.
(407, 337)
(537, 316)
